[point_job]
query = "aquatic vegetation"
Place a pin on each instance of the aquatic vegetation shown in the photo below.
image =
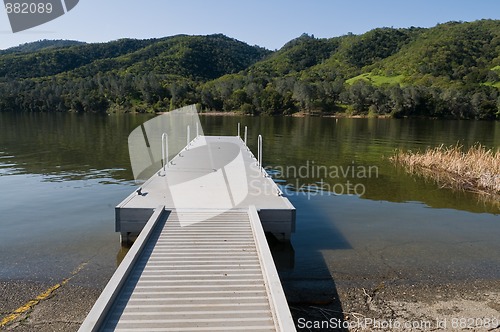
(475, 169)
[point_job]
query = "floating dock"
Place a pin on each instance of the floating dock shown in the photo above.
(211, 172)
(201, 261)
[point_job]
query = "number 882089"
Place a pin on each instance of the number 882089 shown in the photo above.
(28, 8)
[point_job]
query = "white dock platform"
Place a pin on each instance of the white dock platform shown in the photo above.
(201, 261)
(212, 172)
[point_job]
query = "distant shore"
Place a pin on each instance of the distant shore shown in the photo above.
(337, 115)
(222, 114)
(214, 113)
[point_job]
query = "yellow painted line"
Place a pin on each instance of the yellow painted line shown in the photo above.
(43, 296)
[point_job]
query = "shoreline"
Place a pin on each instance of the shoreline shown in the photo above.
(300, 115)
(222, 114)
(358, 306)
(395, 307)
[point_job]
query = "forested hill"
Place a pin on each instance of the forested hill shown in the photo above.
(451, 70)
(41, 45)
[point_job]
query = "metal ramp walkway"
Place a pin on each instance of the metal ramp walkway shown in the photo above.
(201, 261)
(195, 271)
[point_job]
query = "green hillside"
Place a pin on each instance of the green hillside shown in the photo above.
(451, 71)
(124, 75)
(41, 45)
(463, 53)
(296, 55)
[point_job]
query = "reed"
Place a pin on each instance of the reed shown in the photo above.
(475, 169)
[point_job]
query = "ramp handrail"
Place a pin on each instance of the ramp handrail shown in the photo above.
(101, 308)
(279, 305)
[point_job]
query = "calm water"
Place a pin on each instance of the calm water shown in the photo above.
(62, 174)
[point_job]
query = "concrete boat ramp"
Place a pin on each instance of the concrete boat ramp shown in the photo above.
(200, 261)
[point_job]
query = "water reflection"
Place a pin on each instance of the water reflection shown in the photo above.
(73, 169)
(326, 143)
(65, 147)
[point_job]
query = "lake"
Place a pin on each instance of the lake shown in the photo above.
(360, 219)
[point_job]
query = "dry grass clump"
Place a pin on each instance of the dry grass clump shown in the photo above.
(476, 169)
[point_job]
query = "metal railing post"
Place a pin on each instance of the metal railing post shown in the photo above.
(239, 125)
(246, 134)
(188, 136)
(164, 150)
(259, 151)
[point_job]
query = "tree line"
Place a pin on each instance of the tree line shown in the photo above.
(282, 96)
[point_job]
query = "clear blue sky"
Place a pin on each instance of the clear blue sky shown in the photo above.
(268, 23)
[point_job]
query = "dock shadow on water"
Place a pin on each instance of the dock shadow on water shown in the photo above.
(309, 286)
